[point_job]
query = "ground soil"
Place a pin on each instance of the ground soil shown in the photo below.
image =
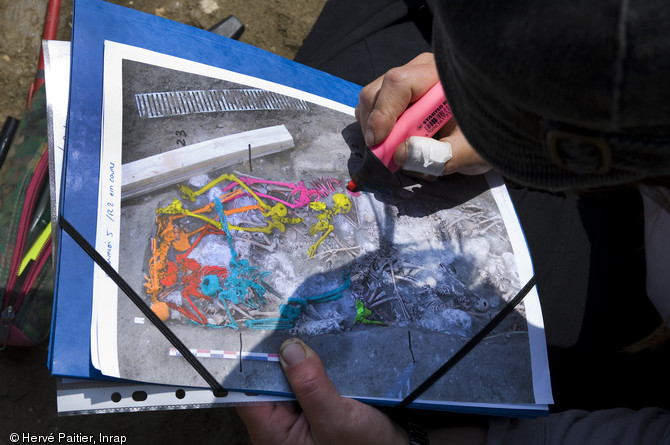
(278, 26)
(27, 390)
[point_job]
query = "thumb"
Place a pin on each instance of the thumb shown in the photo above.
(307, 376)
(332, 419)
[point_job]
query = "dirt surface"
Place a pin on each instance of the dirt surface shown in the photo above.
(27, 390)
(278, 26)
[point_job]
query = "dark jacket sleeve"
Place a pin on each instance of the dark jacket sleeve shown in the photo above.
(618, 426)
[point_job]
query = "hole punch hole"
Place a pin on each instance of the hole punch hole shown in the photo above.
(217, 393)
(116, 397)
(180, 394)
(139, 396)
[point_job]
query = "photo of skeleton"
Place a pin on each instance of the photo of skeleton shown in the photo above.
(237, 252)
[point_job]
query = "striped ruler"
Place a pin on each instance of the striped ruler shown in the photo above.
(175, 103)
(231, 355)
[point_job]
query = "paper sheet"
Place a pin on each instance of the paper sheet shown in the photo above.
(126, 70)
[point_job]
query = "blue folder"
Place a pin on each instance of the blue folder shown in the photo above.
(95, 21)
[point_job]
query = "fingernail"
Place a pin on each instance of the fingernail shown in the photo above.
(369, 137)
(400, 154)
(292, 352)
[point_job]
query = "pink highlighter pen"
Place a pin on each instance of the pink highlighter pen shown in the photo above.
(423, 118)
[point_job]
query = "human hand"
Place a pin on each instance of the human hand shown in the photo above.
(323, 417)
(386, 98)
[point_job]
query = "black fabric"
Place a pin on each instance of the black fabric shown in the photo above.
(588, 255)
(360, 40)
(587, 248)
(517, 74)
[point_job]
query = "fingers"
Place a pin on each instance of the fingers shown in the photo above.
(281, 423)
(325, 419)
(274, 423)
(383, 100)
(465, 160)
(423, 155)
(332, 419)
(314, 391)
(431, 157)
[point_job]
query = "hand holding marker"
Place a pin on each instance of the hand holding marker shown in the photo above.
(423, 118)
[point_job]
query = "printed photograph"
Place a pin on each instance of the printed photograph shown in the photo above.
(237, 228)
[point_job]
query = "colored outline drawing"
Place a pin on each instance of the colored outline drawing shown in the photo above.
(215, 290)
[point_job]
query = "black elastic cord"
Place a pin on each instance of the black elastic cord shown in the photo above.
(219, 391)
(468, 346)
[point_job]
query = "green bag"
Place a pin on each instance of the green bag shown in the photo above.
(26, 266)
